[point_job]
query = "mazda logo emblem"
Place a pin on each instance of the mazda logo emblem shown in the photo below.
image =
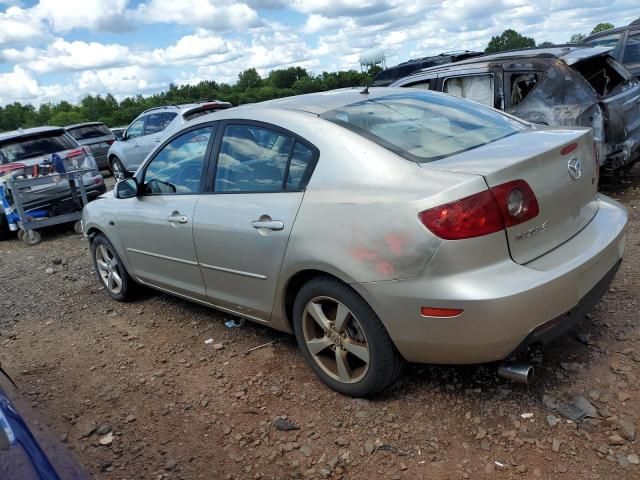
(575, 168)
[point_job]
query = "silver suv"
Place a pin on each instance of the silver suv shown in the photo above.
(148, 129)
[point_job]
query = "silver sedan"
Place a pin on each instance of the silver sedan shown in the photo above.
(379, 226)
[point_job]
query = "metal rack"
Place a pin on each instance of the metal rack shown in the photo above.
(20, 190)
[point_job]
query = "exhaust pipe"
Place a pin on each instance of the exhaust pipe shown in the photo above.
(516, 372)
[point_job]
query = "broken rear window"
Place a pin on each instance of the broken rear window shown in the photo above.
(24, 148)
(520, 86)
(601, 74)
(424, 126)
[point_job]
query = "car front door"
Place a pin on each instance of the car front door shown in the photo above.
(131, 145)
(242, 225)
(156, 227)
(154, 131)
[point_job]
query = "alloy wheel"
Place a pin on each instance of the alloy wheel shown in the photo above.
(336, 340)
(117, 169)
(108, 268)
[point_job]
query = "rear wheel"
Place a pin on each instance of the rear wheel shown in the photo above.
(110, 270)
(117, 169)
(343, 340)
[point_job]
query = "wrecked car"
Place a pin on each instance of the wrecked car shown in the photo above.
(567, 86)
(389, 75)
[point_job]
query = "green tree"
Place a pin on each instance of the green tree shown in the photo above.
(577, 37)
(546, 44)
(250, 78)
(509, 40)
(601, 27)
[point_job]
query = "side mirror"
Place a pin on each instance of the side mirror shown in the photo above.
(123, 136)
(127, 188)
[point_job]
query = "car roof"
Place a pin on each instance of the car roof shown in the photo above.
(184, 107)
(635, 25)
(78, 125)
(569, 54)
(27, 132)
(310, 103)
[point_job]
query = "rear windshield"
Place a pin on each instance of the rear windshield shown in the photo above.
(89, 131)
(425, 126)
(35, 146)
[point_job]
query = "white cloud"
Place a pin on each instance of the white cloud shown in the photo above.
(75, 56)
(192, 47)
(17, 86)
(209, 14)
(122, 81)
(18, 26)
(65, 15)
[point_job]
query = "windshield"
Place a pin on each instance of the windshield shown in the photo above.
(24, 148)
(89, 131)
(425, 126)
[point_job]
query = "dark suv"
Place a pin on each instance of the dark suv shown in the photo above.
(388, 76)
(625, 42)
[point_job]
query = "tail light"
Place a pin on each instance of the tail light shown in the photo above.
(76, 152)
(10, 167)
(484, 213)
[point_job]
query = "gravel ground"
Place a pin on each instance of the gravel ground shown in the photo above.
(138, 392)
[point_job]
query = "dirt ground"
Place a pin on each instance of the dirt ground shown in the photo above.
(138, 392)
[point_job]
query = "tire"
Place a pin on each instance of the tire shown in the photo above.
(107, 263)
(31, 237)
(359, 328)
(117, 169)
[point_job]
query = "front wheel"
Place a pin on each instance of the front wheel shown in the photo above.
(110, 270)
(117, 169)
(343, 340)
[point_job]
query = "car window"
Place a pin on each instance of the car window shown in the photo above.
(135, 129)
(177, 167)
(424, 85)
(24, 148)
(478, 88)
(520, 85)
(424, 126)
(252, 159)
(606, 41)
(299, 167)
(156, 122)
(89, 131)
(632, 49)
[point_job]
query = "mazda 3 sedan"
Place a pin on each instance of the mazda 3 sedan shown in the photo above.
(379, 226)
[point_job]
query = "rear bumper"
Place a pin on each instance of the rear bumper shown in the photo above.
(505, 304)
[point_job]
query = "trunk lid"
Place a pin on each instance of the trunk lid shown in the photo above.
(541, 158)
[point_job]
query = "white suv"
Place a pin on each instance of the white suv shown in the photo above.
(148, 129)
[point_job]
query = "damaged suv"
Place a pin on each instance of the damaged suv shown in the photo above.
(569, 86)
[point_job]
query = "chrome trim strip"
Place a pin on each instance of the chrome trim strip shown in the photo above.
(236, 272)
(204, 302)
(164, 257)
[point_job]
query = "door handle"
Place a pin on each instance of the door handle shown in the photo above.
(268, 224)
(175, 217)
(157, 140)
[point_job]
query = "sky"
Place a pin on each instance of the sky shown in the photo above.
(52, 50)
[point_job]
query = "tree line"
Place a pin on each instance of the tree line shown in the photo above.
(249, 88)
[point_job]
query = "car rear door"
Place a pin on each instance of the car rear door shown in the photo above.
(130, 147)
(156, 227)
(242, 225)
(631, 52)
